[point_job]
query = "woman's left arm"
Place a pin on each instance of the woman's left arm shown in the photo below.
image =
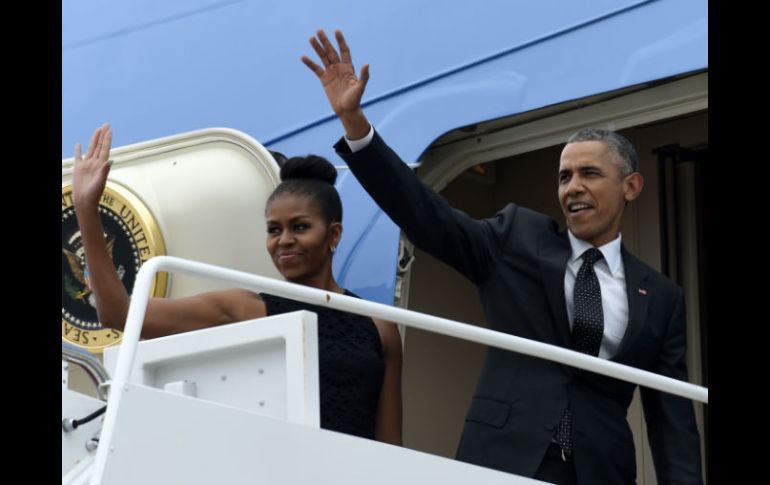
(389, 415)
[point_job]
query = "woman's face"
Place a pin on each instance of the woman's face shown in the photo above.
(299, 239)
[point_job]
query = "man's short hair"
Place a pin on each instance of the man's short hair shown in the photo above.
(622, 149)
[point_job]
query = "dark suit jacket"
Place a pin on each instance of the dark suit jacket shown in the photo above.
(517, 259)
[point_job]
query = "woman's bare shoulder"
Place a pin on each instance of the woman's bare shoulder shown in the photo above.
(389, 334)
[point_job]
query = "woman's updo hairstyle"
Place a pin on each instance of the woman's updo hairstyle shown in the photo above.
(311, 176)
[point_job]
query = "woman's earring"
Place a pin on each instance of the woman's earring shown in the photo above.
(333, 248)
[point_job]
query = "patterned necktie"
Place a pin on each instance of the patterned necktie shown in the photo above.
(587, 329)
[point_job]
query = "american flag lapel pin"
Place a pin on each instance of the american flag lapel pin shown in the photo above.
(642, 291)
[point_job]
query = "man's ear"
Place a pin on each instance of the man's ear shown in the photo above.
(632, 186)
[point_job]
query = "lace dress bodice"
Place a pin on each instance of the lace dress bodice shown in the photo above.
(351, 365)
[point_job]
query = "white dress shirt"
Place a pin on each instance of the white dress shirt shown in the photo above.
(612, 281)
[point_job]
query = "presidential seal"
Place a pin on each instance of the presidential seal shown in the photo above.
(132, 238)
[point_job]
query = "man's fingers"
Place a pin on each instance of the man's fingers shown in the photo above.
(312, 66)
(320, 51)
(363, 78)
(78, 156)
(331, 52)
(344, 49)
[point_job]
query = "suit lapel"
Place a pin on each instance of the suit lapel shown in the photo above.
(638, 299)
(554, 254)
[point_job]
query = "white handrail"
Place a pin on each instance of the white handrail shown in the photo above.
(141, 295)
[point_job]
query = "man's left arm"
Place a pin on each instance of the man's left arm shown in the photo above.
(674, 438)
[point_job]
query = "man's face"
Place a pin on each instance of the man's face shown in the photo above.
(593, 191)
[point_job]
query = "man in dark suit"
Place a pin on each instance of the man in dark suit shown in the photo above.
(577, 288)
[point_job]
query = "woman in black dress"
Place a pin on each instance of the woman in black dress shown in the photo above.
(359, 357)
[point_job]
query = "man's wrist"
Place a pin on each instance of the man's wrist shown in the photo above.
(360, 144)
(355, 123)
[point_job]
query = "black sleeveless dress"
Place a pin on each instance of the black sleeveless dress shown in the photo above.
(351, 366)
